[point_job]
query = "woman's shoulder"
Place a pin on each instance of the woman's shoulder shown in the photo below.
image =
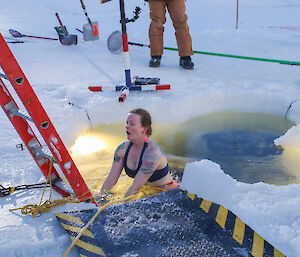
(121, 147)
(155, 148)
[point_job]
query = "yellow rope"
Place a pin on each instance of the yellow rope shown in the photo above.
(93, 218)
(48, 180)
(47, 206)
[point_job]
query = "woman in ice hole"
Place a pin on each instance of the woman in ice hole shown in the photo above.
(141, 158)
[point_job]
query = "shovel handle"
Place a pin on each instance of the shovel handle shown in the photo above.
(61, 25)
(86, 14)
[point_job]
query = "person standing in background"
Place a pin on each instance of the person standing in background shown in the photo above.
(176, 9)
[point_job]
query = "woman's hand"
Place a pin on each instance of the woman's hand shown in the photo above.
(115, 170)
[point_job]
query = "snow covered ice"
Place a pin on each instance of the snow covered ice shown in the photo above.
(61, 74)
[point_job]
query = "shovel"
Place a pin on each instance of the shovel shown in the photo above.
(66, 38)
(90, 30)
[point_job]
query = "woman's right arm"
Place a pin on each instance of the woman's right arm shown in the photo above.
(115, 170)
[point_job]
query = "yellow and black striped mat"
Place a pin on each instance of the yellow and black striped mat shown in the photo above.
(173, 223)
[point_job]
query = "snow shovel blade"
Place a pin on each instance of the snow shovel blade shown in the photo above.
(68, 39)
(59, 30)
(114, 42)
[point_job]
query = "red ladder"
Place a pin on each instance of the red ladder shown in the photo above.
(33, 145)
(43, 123)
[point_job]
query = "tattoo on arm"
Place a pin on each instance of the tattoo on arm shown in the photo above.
(117, 158)
(149, 161)
(147, 169)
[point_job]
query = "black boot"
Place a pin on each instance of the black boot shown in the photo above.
(155, 61)
(186, 62)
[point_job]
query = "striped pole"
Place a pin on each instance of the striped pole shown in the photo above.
(125, 45)
(151, 87)
(145, 88)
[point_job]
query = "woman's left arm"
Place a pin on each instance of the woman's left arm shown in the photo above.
(150, 162)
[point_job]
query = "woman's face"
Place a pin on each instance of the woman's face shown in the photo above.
(134, 128)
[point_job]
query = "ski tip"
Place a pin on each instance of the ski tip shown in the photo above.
(163, 87)
(95, 89)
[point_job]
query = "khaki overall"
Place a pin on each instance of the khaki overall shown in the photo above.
(176, 9)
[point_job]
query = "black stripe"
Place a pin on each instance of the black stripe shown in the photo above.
(213, 210)
(230, 222)
(248, 238)
(268, 249)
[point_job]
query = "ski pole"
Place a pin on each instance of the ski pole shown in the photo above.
(125, 45)
(15, 42)
(86, 112)
(237, 14)
(4, 191)
(15, 33)
(138, 44)
(228, 55)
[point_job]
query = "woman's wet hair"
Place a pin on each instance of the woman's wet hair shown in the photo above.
(145, 119)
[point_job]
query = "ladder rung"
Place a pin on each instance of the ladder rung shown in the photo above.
(18, 113)
(47, 156)
(13, 110)
(38, 152)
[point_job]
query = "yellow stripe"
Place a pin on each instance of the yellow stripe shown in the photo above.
(205, 205)
(222, 216)
(191, 196)
(239, 231)
(277, 253)
(89, 247)
(81, 255)
(258, 245)
(70, 218)
(77, 230)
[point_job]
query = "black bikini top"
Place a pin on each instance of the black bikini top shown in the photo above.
(158, 174)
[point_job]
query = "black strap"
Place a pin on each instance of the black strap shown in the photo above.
(140, 160)
(126, 154)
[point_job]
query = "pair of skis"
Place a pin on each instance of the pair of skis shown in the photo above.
(39, 117)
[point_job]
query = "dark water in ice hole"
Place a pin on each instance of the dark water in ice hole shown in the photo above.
(241, 143)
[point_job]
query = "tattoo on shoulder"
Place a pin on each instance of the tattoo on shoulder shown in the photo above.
(116, 156)
(147, 171)
(148, 163)
(120, 146)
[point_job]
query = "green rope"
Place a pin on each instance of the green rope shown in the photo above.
(240, 57)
